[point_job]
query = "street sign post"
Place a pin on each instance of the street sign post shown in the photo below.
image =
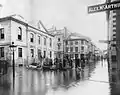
(104, 7)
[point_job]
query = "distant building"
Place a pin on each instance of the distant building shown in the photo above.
(59, 36)
(73, 44)
(77, 45)
(32, 43)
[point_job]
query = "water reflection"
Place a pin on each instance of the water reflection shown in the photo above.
(33, 82)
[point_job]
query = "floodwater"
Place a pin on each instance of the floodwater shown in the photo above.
(93, 80)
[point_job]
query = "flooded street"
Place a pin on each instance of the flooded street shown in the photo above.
(94, 80)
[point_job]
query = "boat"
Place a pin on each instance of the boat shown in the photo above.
(34, 66)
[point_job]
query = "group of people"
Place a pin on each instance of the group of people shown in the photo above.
(66, 62)
(3, 67)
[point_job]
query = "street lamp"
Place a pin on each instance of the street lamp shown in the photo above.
(12, 47)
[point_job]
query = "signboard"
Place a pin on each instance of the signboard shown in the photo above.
(104, 7)
(104, 41)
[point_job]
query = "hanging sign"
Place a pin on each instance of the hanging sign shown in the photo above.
(104, 7)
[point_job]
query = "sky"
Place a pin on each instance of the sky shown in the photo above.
(62, 13)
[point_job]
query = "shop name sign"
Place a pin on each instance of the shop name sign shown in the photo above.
(104, 7)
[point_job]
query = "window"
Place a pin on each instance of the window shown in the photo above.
(32, 52)
(114, 16)
(76, 42)
(44, 54)
(38, 39)
(50, 54)
(31, 37)
(67, 49)
(114, 11)
(39, 54)
(2, 33)
(66, 42)
(71, 49)
(71, 56)
(82, 48)
(114, 35)
(76, 49)
(19, 52)
(19, 33)
(114, 21)
(114, 38)
(82, 42)
(58, 39)
(44, 41)
(114, 25)
(1, 51)
(71, 43)
(50, 42)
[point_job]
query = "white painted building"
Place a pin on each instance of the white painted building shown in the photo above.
(77, 45)
(31, 42)
(59, 36)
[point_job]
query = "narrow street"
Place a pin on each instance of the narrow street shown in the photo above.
(94, 80)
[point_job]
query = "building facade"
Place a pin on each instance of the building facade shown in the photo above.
(32, 43)
(73, 44)
(113, 19)
(59, 36)
(77, 46)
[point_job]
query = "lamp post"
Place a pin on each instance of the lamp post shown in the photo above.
(13, 46)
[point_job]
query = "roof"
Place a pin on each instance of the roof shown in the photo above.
(77, 36)
(21, 20)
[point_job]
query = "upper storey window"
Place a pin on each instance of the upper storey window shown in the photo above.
(50, 42)
(76, 42)
(31, 37)
(39, 40)
(44, 41)
(19, 33)
(2, 35)
(58, 39)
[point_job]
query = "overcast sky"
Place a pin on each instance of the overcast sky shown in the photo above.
(69, 13)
